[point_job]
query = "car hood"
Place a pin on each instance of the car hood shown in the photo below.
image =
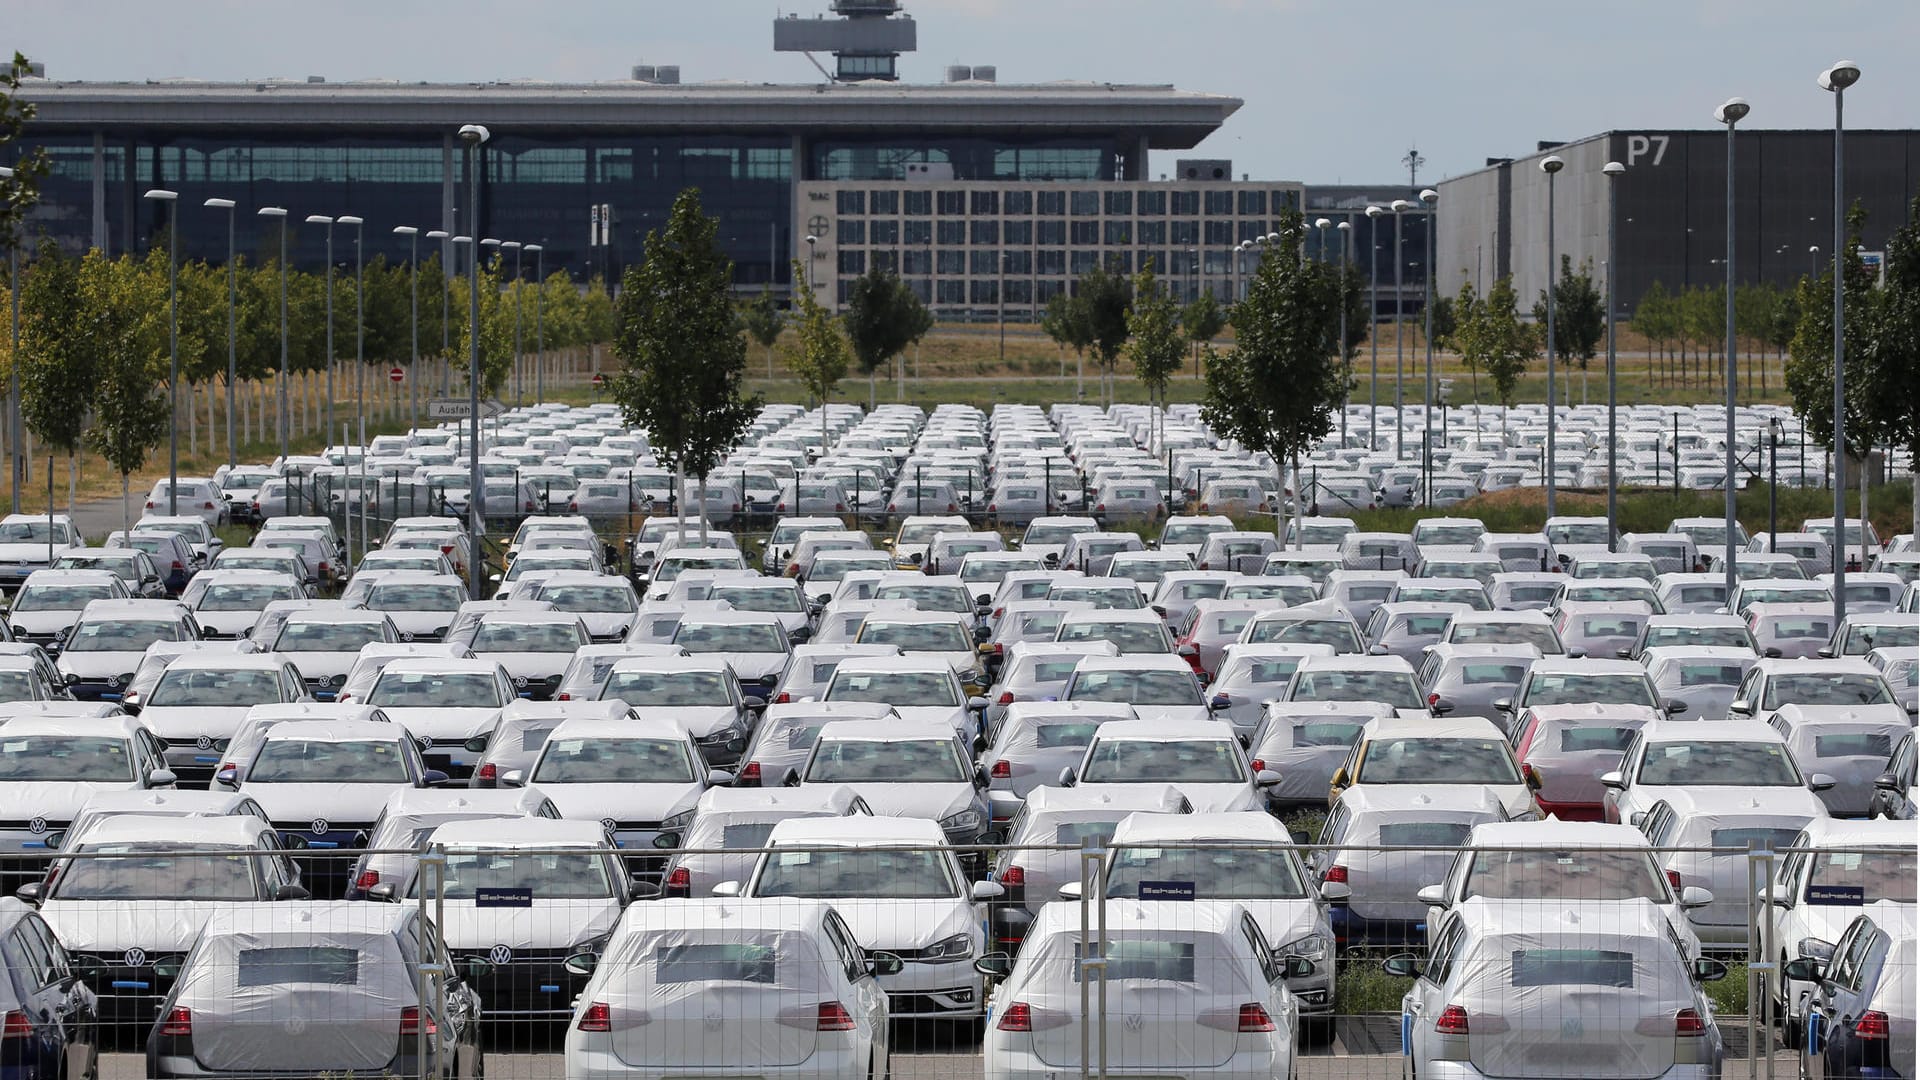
(955, 718)
(906, 924)
(42, 622)
(749, 666)
(1286, 921)
(1824, 921)
(412, 623)
(98, 665)
(549, 924)
(929, 801)
(1184, 714)
(52, 800)
(698, 721)
(184, 723)
(314, 665)
(608, 623)
(1206, 798)
(27, 553)
(156, 926)
(229, 623)
(443, 725)
(295, 805)
(622, 802)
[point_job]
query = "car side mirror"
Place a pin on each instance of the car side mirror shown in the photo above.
(1067, 777)
(1675, 707)
(1266, 778)
(292, 892)
(1189, 650)
(513, 778)
(987, 890)
(1693, 896)
(1295, 967)
(792, 779)
(1335, 892)
(581, 964)
(977, 703)
(1803, 969)
(1532, 777)
(1376, 650)
(1440, 706)
(642, 889)
(1887, 781)
(1339, 779)
(1402, 966)
(666, 840)
(1504, 704)
(1707, 969)
(719, 778)
(168, 968)
(727, 888)
(1825, 652)
(994, 965)
(385, 892)
(162, 778)
(32, 892)
(1771, 652)
(882, 964)
(1616, 780)
(1820, 782)
(1432, 895)
(1741, 706)
(1070, 890)
(799, 635)
(434, 778)
(1634, 819)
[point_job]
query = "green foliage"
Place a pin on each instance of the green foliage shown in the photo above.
(1809, 367)
(1063, 323)
(597, 317)
(19, 194)
(1201, 320)
(683, 362)
(762, 318)
(1102, 299)
(818, 356)
(1156, 338)
(59, 350)
(132, 412)
(1494, 340)
(1445, 322)
(1891, 385)
(1579, 313)
(496, 328)
(883, 318)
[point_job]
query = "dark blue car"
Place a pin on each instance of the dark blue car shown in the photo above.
(51, 1023)
(1860, 1017)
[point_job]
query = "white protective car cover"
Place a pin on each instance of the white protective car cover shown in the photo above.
(1850, 743)
(1573, 1016)
(247, 1023)
(661, 986)
(1040, 739)
(1434, 823)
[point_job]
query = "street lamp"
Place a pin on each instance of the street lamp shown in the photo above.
(1346, 371)
(519, 380)
(539, 323)
(1613, 171)
(1373, 325)
(413, 278)
(1399, 337)
(1429, 196)
(1836, 79)
(811, 241)
(1730, 114)
(446, 304)
(474, 136)
(1551, 165)
(1813, 261)
(13, 370)
(172, 199)
(359, 324)
(281, 213)
(227, 205)
(322, 219)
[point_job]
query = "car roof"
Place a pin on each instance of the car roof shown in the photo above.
(318, 919)
(1210, 917)
(911, 662)
(807, 798)
(520, 832)
(858, 831)
(890, 729)
(1422, 799)
(226, 661)
(1252, 826)
(1664, 730)
(503, 801)
(1717, 801)
(334, 731)
(726, 916)
(1554, 833)
(319, 711)
(520, 709)
(230, 830)
(1838, 665)
(1531, 919)
(1164, 730)
(133, 608)
(1142, 662)
(441, 665)
(622, 727)
(1593, 710)
(73, 726)
(709, 662)
(1429, 727)
(1840, 832)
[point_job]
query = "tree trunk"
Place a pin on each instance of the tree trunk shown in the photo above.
(680, 505)
(126, 508)
(193, 425)
(703, 509)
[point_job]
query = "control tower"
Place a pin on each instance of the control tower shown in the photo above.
(866, 38)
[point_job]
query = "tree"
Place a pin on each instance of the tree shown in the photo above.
(1102, 299)
(883, 318)
(129, 327)
(1891, 383)
(1657, 320)
(1579, 316)
(1463, 309)
(57, 360)
(1202, 320)
(763, 320)
(819, 354)
(1809, 369)
(1155, 335)
(1703, 321)
(1063, 322)
(683, 364)
(496, 327)
(597, 315)
(1497, 342)
(18, 194)
(1276, 391)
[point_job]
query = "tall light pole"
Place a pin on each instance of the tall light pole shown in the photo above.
(474, 136)
(1613, 171)
(1730, 114)
(322, 219)
(811, 241)
(1835, 80)
(1346, 369)
(519, 379)
(1373, 324)
(172, 200)
(539, 321)
(232, 340)
(1430, 197)
(1813, 261)
(13, 370)
(446, 305)
(281, 213)
(359, 328)
(1399, 338)
(413, 278)
(1551, 165)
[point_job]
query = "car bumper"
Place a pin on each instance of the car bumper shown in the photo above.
(595, 1060)
(529, 988)
(1007, 1064)
(1464, 1070)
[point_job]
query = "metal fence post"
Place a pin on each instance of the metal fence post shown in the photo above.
(429, 959)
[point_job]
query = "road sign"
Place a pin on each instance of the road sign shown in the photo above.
(396, 374)
(599, 380)
(461, 409)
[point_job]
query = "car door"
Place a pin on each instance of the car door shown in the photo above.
(1836, 1000)
(870, 999)
(1428, 994)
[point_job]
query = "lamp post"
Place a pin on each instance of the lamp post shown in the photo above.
(1773, 483)
(322, 219)
(519, 379)
(13, 370)
(811, 241)
(1346, 371)
(1400, 206)
(474, 136)
(1730, 114)
(1430, 197)
(281, 214)
(1813, 261)
(172, 199)
(1613, 171)
(539, 321)
(232, 341)
(413, 279)
(359, 328)
(446, 302)
(1551, 165)
(1835, 80)
(1373, 325)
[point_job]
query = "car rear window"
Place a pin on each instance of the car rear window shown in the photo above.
(1755, 836)
(1572, 967)
(330, 965)
(741, 962)
(1853, 744)
(1586, 739)
(1447, 834)
(1055, 736)
(1077, 833)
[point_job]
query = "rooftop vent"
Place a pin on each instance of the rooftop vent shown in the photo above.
(316, 78)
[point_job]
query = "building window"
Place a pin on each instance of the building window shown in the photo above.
(1119, 202)
(1017, 262)
(852, 231)
(986, 232)
(884, 202)
(846, 290)
(1217, 262)
(919, 203)
(1186, 203)
(953, 292)
(1153, 232)
(1051, 289)
(983, 262)
(884, 232)
(1219, 232)
(1052, 232)
(1052, 262)
(1052, 203)
(951, 232)
(1250, 230)
(1286, 200)
(1118, 232)
(1086, 232)
(1153, 202)
(1017, 232)
(951, 203)
(1119, 262)
(1020, 291)
(1086, 203)
(1186, 232)
(915, 261)
(886, 262)
(1252, 203)
(851, 202)
(985, 202)
(985, 291)
(1219, 203)
(919, 232)
(1084, 261)
(1017, 202)
(853, 262)
(922, 289)
(950, 263)
(1182, 263)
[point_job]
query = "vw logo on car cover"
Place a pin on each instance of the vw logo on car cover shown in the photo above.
(499, 956)
(609, 824)
(519, 680)
(406, 637)
(204, 742)
(135, 958)
(1136, 1022)
(37, 826)
(113, 680)
(318, 826)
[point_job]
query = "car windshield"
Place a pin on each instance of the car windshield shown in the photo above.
(1437, 761)
(1581, 689)
(419, 690)
(65, 758)
(1446, 534)
(1126, 637)
(32, 532)
(1862, 877)
(614, 761)
(942, 637)
(249, 596)
(761, 598)
(754, 637)
(299, 635)
(1060, 534)
(32, 597)
(1135, 687)
(901, 688)
(873, 761)
(406, 596)
(1395, 688)
(1721, 636)
(153, 872)
(929, 597)
(1189, 533)
(657, 689)
(1822, 689)
(1334, 632)
(121, 565)
(1107, 597)
(1151, 761)
(590, 598)
(1718, 764)
(546, 875)
(519, 637)
(840, 872)
(321, 761)
(1568, 533)
(1565, 875)
(122, 635)
(1225, 872)
(215, 689)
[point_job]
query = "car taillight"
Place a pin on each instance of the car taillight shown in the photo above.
(840, 507)
(1673, 878)
(1871, 1025)
(1260, 765)
(1006, 697)
(367, 880)
(1685, 1022)
(751, 774)
(529, 505)
(574, 506)
(1001, 770)
(992, 507)
(206, 506)
(410, 1021)
(1453, 1020)
(681, 878)
(1432, 700)
(179, 1022)
(1099, 506)
(833, 1016)
(1337, 873)
(16, 1026)
(488, 771)
(793, 569)
(597, 1017)
(1253, 1017)
(150, 506)
(177, 566)
(564, 696)
(1012, 875)
(1018, 1017)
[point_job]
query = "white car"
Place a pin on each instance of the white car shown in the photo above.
(1703, 837)
(412, 814)
(900, 893)
(1193, 989)
(1670, 755)
(918, 688)
(1433, 753)
(421, 605)
(51, 765)
(1202, 760)
(446, 701)
(1160, 688)
(323, 643)
(730, 825)
(48, 605)
(799, 994)
(201, 700)
(905, 769)
(99, 657)
(30, 542)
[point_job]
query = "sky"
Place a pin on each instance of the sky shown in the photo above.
(1335, 91)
